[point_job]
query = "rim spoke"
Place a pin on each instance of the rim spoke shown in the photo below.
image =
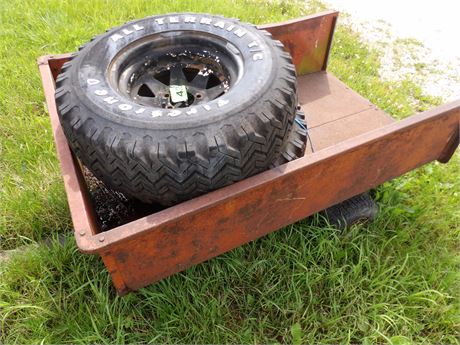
(152, 87)
(177, 75)
(200, 81)
(135, 88)
(153, 101)
(153, 84)
(210, 94)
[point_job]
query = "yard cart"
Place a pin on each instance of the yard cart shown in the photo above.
(353, 147)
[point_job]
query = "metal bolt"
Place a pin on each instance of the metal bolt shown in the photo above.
(102, 239)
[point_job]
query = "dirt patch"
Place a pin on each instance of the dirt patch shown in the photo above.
(417, 43)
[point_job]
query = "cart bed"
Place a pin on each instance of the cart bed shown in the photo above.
(356, 147)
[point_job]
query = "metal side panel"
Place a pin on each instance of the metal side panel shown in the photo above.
(169, 241)
(308, 39)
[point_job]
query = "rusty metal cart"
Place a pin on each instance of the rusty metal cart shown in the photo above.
(356, 147)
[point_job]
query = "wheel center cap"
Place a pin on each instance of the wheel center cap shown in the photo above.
(178, 93)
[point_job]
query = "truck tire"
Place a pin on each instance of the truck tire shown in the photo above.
(169, 107)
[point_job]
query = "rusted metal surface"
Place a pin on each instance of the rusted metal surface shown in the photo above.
(329, 121)
(159, 245)
(451, 146)
(318, 94)
(308, 40)
(80, 207)
(153, 247)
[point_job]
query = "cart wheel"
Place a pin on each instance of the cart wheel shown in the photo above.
(358, 209)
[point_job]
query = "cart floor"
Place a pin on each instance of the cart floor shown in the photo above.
(330, 122)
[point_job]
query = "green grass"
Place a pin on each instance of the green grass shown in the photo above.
(393, 281)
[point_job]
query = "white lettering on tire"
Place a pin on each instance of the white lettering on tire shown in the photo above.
(222, 102)
(126, 32)
(219, 24)
(258, 56)
(125, 107)
(174, 113)
(91, 81)
(101, 92)
(189, 19)
(206, 21)
(110, 100)
(116, 37)
(239, 32)
(191, 111)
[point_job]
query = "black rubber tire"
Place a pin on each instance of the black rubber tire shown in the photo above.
(296, 143)
(356, 210)
(169, 159)
(114, 209)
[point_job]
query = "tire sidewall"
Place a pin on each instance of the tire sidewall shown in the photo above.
(96, 93)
